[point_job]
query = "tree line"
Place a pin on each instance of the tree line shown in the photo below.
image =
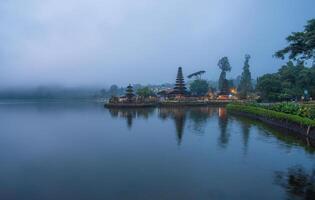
(293, 81)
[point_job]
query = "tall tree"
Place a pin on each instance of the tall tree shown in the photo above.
(301, 44)
(245, 85)
(225, 66)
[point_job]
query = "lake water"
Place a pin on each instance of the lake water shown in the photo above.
(84, 151)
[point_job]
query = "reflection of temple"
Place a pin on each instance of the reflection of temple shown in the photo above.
(179, 116)
(130, 113)
(197, 116)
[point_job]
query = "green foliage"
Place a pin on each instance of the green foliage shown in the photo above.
(256, 110)
(199, 87)
(291, 108)
(224, 64)
(291, 80)
(302, 110)
(245, 85)
(312, 109)
(145, 92)
(269, 87)
(301, 44)
(312, 113)
(288, 83)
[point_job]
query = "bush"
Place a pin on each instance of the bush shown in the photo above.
(260, 111)
(312, 113)
(291, 108)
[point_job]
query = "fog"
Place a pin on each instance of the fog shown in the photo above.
(98, 43)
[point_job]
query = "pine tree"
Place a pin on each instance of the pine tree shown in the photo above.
(129, 93)
(180, 83)
(245, 85)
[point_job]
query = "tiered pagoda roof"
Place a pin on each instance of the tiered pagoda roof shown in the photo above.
(129, 92)
(180, 88)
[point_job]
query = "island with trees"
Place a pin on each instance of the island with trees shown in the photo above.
(284, 98)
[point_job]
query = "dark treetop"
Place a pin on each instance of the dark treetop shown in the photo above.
(301, 44)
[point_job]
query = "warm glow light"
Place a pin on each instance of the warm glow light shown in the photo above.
(233, 90)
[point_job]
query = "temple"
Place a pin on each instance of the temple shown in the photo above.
(129, 93)
(172, 96)
(180, 88)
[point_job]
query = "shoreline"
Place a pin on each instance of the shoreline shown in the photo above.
(170, 104)
(284, 121)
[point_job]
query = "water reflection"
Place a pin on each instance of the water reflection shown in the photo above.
(288, 139)
(246, 131)
(131, 113)
(195, 120)
(199, 117)
(83, 151)
(297, 182)
(223, 124)
(179, 117)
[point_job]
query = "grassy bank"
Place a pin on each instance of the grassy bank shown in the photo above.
(271, 114)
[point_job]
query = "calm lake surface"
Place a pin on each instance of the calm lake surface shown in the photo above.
(53, 150)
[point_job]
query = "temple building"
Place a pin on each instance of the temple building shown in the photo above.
(180, 88)
(129, 93)
(178, 91)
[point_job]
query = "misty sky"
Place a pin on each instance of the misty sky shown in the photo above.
(100, 42)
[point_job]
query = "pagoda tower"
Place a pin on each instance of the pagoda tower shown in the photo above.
(129, 93)
(180, 88)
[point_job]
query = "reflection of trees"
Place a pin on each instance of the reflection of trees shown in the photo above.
(179, 116)
(223, 122)
(298, 183)
(245, 129)
(130, 113)
(199, 116)
(286, 137)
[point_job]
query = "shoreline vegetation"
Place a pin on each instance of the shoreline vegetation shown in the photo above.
(304, 126)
